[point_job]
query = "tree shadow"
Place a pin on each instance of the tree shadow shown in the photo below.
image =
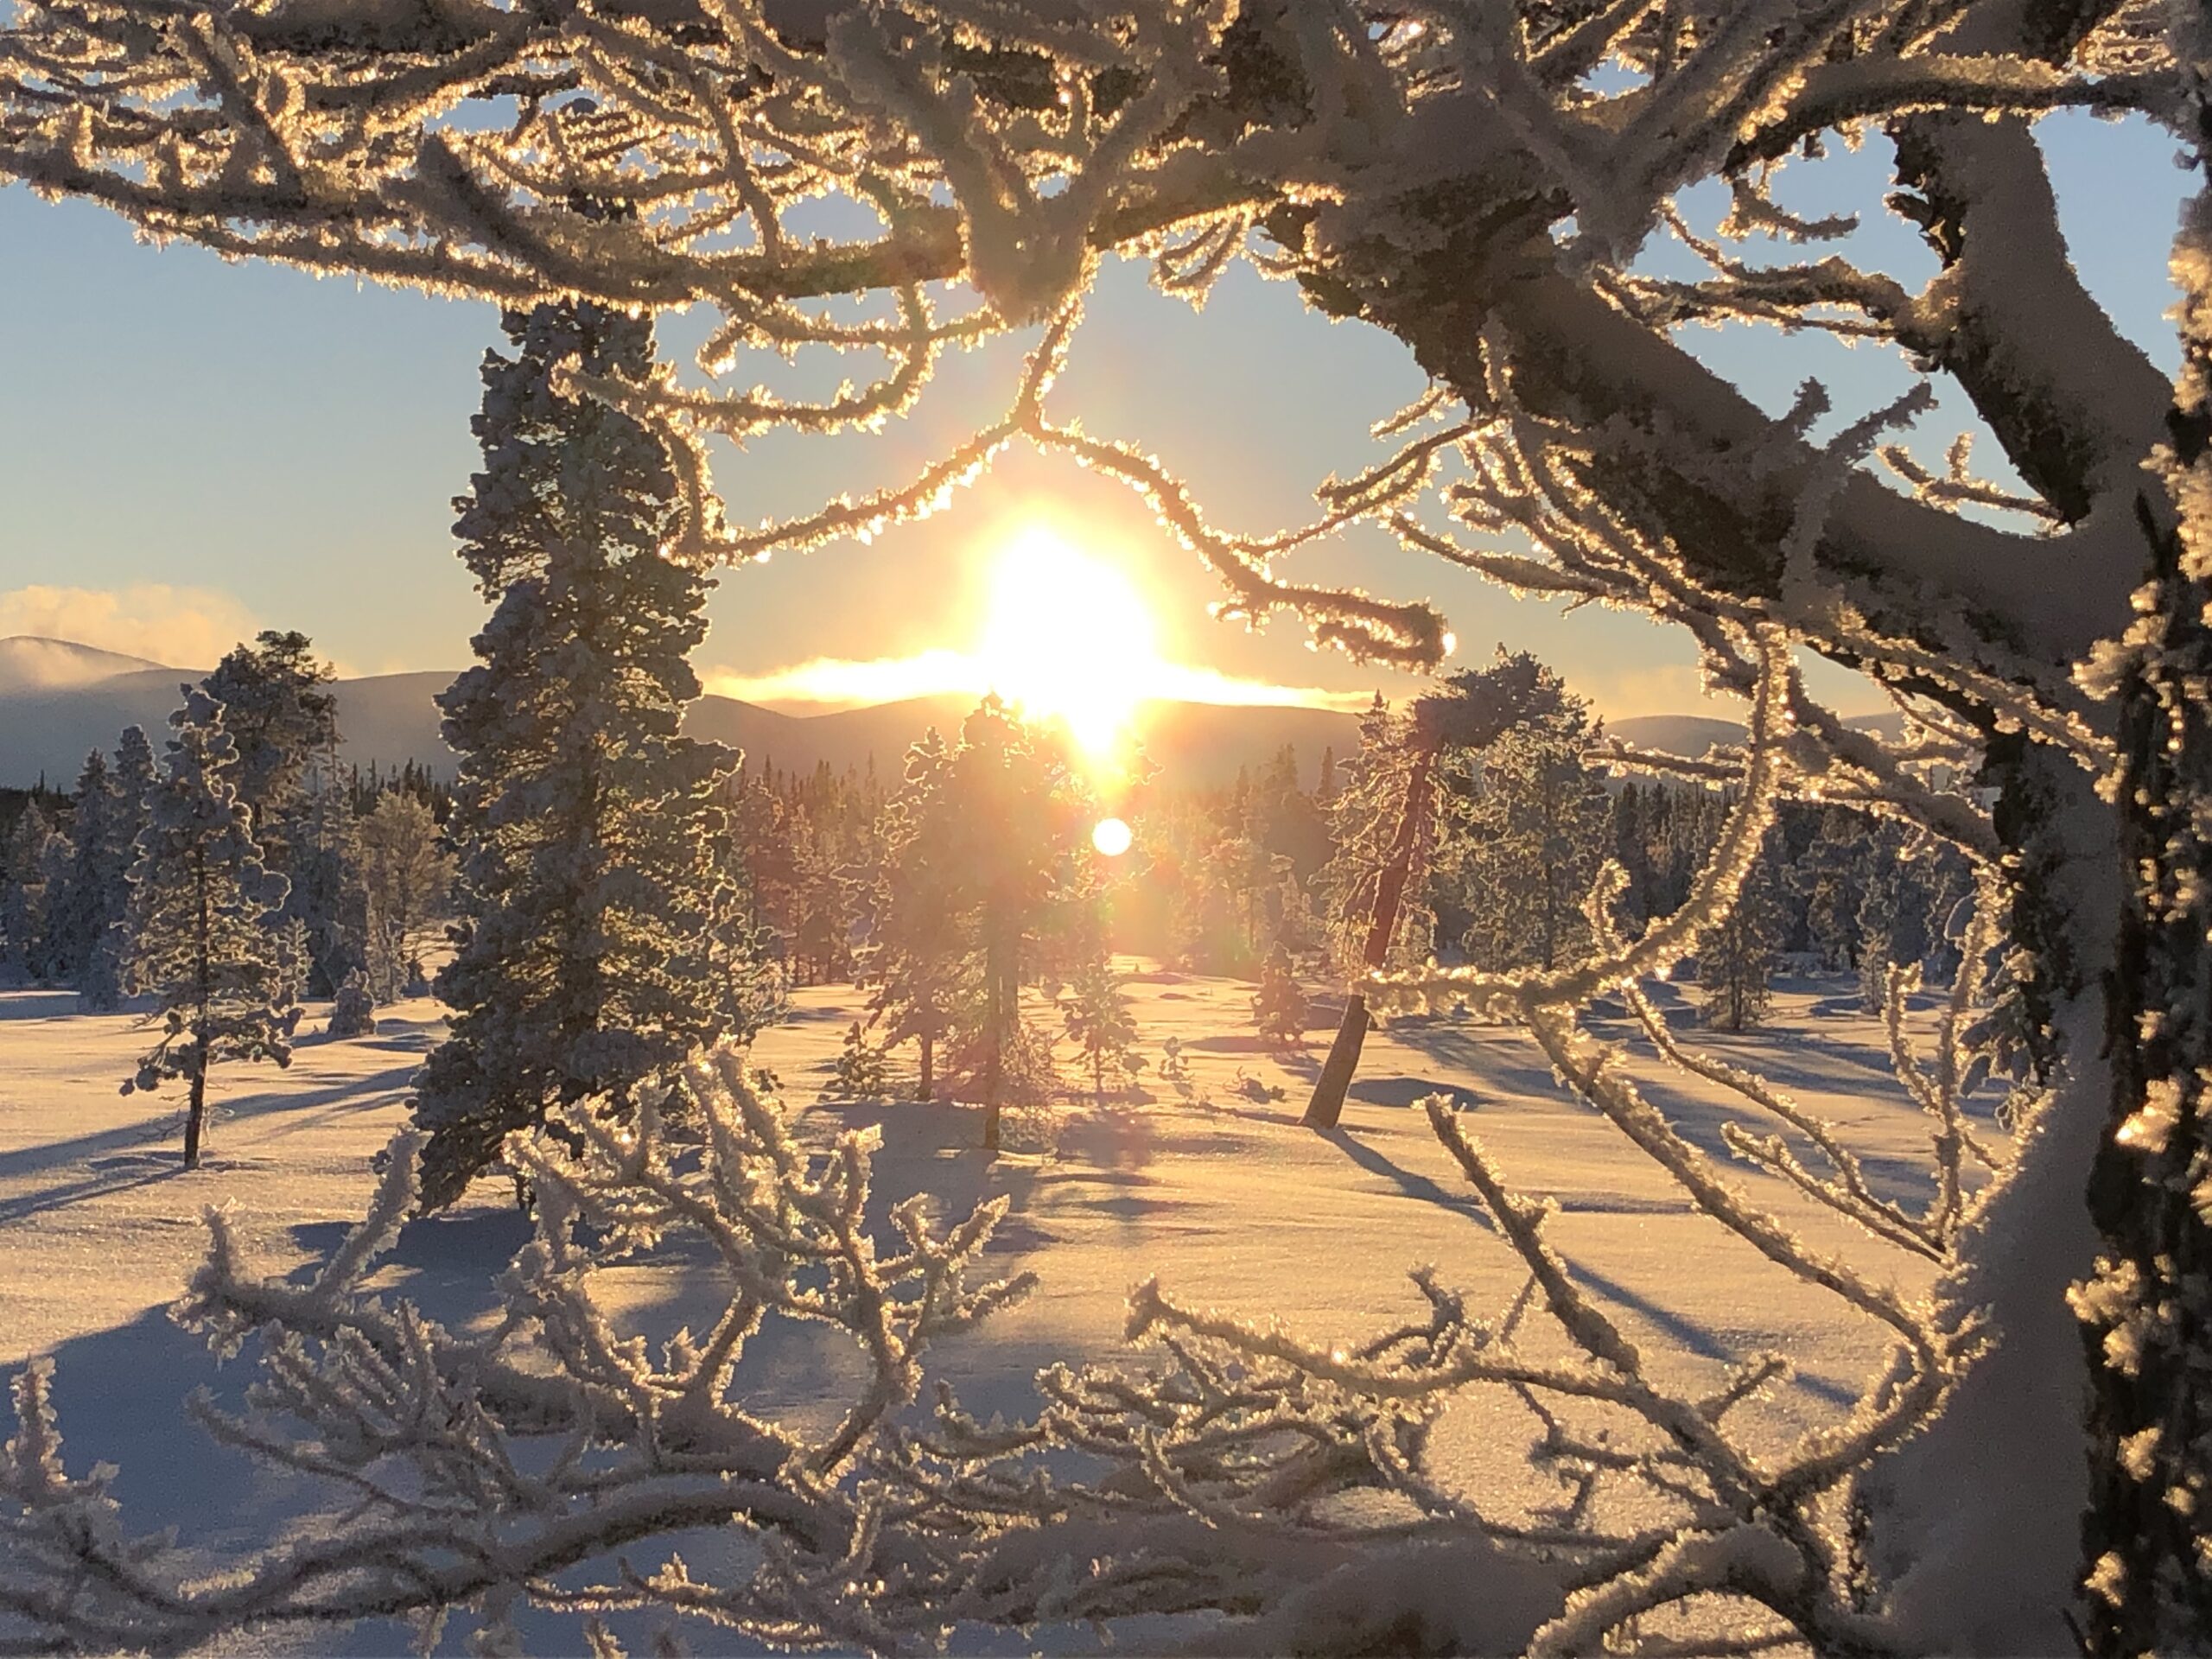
(118, 1173)
(1401, 1091)
(35, 1004)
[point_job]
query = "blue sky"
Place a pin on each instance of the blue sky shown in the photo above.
(190, 449)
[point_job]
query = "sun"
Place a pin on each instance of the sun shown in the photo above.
(1067, 637)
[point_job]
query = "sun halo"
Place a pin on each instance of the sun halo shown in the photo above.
(1067, 636)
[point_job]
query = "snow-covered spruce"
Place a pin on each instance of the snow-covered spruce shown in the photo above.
(1096, 1016)
(86, 906)
(35, 855)
(1525, 823)
(352, 1011)
(602, 937)
(406, 878)
(203, 917)
(983, 886)
(283, 718)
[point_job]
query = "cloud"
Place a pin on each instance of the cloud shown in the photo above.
(842, 683)
(179, 628)
(1663, 689)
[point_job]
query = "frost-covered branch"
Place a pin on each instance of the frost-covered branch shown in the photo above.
(468, 1470)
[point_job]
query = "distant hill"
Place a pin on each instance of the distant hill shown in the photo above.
(58, 700)
(1690, 734)
(1190, 742)
(1693, 734)
(29, 663)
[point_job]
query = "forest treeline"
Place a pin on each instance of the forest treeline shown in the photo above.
(1216, 879)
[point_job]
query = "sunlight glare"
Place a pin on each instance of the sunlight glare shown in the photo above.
(1068, 637)
(1111, 838)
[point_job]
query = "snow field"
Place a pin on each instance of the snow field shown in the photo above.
(1223, 1198)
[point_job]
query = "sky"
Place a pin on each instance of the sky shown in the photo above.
(191, 450)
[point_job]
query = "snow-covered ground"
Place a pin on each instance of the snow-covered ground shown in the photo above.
(1222, 1196)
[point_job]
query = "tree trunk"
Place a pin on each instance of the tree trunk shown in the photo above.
(195, 1116)
(927, 1087)
(1002, 1005)
(2147, 1312)
(1328, 1102)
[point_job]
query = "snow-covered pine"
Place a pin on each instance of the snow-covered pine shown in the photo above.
(821, 947)
(203, 916)
(1527, 822)
(1363, 817)
(1096, 1016)
(985, 890)
(325, 873)
(1466, 714)
(1480, 183)
(85, 919)
(474, 1476)
(862, 1070)
(352, 1011)
(602, 937)
(135, 774)
(921, 972)
(406, 876)
(1736, 955)
(25, 863)
(1280, 1006)
(1225, 925)
(294, 958)
(1829, 879)
(282, 717)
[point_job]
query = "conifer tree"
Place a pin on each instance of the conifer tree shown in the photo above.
(1364, 816)
(1828, 880)
(85, 922)
(352, 1011)
(1097, 1017)
(1892, 914)
(25, 867)
(821, 950)
(202, 904)
(603, 938)
(1736, 959)
(284, 720)
(918, 960)
(860, 1071)
(1280, 1006)
(1530, 824)
(133, 778)
(987, 892)
(406, 876)
(327, 885)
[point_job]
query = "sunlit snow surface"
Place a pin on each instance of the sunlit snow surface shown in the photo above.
(1230, 1202)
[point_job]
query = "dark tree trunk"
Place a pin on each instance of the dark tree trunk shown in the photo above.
(927, 1087)
(1328, 1102)
(195, 1116)
(2147, 1312)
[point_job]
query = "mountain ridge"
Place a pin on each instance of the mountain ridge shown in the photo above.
(51, 715)
(387, 720)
